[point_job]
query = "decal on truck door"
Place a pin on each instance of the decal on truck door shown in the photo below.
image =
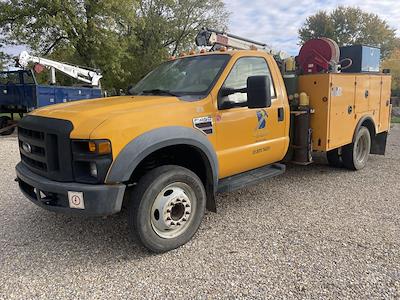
(262, 116)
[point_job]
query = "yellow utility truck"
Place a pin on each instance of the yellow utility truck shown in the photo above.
(200, 124)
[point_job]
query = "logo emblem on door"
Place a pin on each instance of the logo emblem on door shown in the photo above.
(27, 147)
(262, 116)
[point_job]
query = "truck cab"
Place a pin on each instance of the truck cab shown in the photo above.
(193, 112)
(196, 125)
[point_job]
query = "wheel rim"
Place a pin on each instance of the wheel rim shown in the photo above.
(172, 210)
(361, 149)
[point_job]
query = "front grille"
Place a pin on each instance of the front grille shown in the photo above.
(34, 163)
(45, 146)
(31, 133)
(34, 142)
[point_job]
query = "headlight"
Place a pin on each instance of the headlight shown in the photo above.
(91, 160)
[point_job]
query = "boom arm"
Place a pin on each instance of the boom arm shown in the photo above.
(88, 76)
(210, 37)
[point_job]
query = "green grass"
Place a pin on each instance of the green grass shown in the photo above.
(395, 119)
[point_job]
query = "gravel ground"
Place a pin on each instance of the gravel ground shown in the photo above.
(316, 232)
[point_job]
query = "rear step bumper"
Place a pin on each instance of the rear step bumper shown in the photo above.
(251, 177)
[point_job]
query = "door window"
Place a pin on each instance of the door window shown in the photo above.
(237, 79)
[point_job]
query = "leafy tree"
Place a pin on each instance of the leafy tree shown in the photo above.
(4, 59)
(168, 27)
(2, 63)
(393, 63)
(83, 32)
(123, 38)
(349, 26)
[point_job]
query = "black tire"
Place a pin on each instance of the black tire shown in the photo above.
(355, 155)
(4, 123)
(334, 158)
(145, 205)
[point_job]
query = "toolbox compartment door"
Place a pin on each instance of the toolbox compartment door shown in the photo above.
(374, 96)
(341, 111)
(61, 94)
(384, 111)
(362, 94)
(45, 95)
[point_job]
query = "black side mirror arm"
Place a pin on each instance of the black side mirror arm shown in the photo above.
(229, 91)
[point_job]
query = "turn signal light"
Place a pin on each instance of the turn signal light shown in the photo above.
(92, 146)
(100, 147)
(104, 147)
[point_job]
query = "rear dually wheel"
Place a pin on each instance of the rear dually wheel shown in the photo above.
(355, 155)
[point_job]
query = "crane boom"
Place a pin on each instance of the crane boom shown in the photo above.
(84, 75)
(210, 37)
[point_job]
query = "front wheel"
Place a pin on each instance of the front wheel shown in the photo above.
(166, 208)
(355, 155)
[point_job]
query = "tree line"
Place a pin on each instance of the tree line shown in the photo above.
(123, 38)
(126, 38)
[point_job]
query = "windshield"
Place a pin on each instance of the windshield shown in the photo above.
(194, 75)
(9, 78)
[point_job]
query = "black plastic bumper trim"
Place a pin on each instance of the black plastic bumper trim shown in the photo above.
(100, 200)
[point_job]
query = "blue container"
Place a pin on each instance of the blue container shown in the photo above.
(365, 58)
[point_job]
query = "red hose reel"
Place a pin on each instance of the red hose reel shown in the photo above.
(318, 56)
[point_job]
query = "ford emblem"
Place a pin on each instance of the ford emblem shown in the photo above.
(27, 147)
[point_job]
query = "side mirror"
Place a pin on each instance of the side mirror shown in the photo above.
(129, 90)
(259, 92)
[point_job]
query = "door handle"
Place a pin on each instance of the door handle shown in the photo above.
(281, 114)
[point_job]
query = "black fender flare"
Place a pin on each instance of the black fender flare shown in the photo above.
(359, 124)
(143, 145)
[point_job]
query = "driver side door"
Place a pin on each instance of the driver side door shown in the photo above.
(247, 138)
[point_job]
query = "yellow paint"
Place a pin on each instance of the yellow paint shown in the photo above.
(340, 101)
(239, 145)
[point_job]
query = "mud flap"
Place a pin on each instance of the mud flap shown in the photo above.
(379, 143)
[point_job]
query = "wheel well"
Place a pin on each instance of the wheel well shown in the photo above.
(370, 126)
(186, 156)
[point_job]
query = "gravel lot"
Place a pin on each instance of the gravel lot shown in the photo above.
(314, 232)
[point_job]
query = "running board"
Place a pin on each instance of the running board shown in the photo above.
(251, 177)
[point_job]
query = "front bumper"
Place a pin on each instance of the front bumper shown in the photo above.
(99, 199)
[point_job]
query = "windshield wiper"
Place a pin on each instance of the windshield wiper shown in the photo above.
(159, 92)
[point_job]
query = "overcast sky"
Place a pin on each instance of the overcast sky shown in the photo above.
(277, 22)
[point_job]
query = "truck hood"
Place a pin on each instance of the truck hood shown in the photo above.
(87, 115)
